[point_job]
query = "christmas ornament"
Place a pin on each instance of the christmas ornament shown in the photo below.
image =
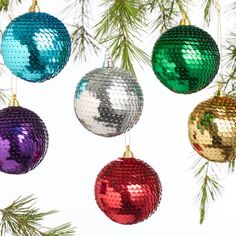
(23, 140)
(128, 190)
(36, 46)
(108, 101)
(185, 59)
(212, 129)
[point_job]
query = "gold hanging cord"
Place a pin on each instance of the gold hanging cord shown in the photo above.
(34, 7)
(220, 81)
(185, 19)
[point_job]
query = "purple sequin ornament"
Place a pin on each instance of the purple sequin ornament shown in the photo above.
(23, 140)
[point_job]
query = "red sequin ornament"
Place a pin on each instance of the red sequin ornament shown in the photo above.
(128, 190)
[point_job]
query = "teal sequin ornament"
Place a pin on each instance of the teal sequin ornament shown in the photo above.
(185, 59)
(36, 46)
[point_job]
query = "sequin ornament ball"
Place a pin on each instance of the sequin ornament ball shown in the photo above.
(212, 128)
(128, 190)
(108, 101)
(23, 140)
(36, 46)
(185, 59)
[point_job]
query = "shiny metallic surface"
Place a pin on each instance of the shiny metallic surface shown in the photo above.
(212, 129)
(108, 101)
(128, 190)
(185, 59)
(36, 46)
(23, 140)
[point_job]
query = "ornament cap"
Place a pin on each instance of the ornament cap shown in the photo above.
(34, 7)
(108, 62)
(220, 92)
(128, 153)
(185, 21)
(14, 102)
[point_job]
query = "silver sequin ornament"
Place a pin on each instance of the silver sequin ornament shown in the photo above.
(108, 101)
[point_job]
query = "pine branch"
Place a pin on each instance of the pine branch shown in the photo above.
(210, 187)
(119, 28)
(4, 97)
(229, 59)
(210, 6)
(64, 229)
(166, 13)
(231, 166)
(83, 42)
(6, 4)
(21, 218)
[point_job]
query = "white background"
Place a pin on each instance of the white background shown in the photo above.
(65, 178)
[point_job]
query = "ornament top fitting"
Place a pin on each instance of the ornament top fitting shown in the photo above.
(220, 92)
(14, 102)
(108, 62)
(128, 153)
(185, 20)
(34, 7)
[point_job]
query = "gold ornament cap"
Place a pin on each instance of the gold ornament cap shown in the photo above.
(128, 153)
(220, 92)
(34, 7)
(185, 20)
(14, 102)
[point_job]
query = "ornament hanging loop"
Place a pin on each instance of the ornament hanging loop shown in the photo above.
(34, 7)
(185, 19)
(108, 62)
(13, 102)
(128, 153)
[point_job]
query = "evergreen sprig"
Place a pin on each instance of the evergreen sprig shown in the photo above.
(166, 14)
(83, 41)
(22, 218)
(209, 7)
(5, 4)
(210, 187)
(120, 28)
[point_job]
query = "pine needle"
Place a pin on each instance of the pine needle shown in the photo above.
(22, 218)
(120, 28)
(231, 166)
(210, 6)
(166, 14)
(210, 188)
(83, 41)
(5, 5)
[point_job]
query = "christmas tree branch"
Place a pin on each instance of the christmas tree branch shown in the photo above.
(181, 7)
(231, 166)
(166, 14)
(21, 218)
(5, 5)
(83, 42)
(210, 186)
(119, 27)
(209, 7)
(229, 60)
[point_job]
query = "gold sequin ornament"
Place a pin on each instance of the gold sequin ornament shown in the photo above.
(212, 128)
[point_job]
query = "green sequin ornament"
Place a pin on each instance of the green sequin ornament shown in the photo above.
(185, 59)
